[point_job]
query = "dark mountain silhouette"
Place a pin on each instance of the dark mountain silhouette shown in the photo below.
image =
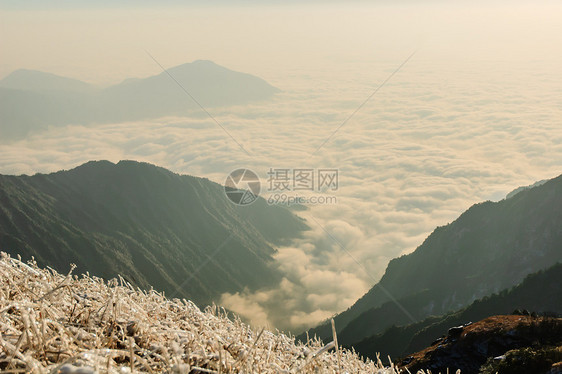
(177, 233)
(490, 247)
(540, 293)
(33, 100)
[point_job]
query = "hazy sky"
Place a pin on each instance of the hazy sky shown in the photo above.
(474, 114)
(105, 45)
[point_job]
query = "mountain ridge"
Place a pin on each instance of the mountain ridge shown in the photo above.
(539, 292)
(154, 227)
(36, 80)
(489, 247)
(31, 100)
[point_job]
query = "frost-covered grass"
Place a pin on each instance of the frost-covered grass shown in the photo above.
(81, 324)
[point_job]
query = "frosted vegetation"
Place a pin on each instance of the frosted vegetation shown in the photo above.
(54, 323)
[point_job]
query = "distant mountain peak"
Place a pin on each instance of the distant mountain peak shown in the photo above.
(205, 66)
(130, 168)
(32, 100)
(93, 165)
(35, 80)
(204, 62)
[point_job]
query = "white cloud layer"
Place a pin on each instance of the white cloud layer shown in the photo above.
(464, 121)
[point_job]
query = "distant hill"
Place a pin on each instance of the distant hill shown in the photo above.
(152, 226)
(210, 84)
(540, 292)
(490, 247)
(38, 81)
(33, 100)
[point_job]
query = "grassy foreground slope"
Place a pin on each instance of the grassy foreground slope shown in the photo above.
(69, 324)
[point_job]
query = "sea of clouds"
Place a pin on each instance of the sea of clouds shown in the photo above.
(467, 119)
(431, 143)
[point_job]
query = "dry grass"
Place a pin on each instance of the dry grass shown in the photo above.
(68, 324)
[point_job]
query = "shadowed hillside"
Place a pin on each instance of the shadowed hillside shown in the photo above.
(540, 292)
(490, 247)
(177, 233)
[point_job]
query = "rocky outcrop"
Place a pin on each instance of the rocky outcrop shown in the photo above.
(503, 344)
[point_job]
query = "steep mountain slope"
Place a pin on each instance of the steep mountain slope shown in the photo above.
(176, 233)
(490, 247)
(539, 292)
(33, 100)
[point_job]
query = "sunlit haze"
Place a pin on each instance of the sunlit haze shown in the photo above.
(474, 113)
